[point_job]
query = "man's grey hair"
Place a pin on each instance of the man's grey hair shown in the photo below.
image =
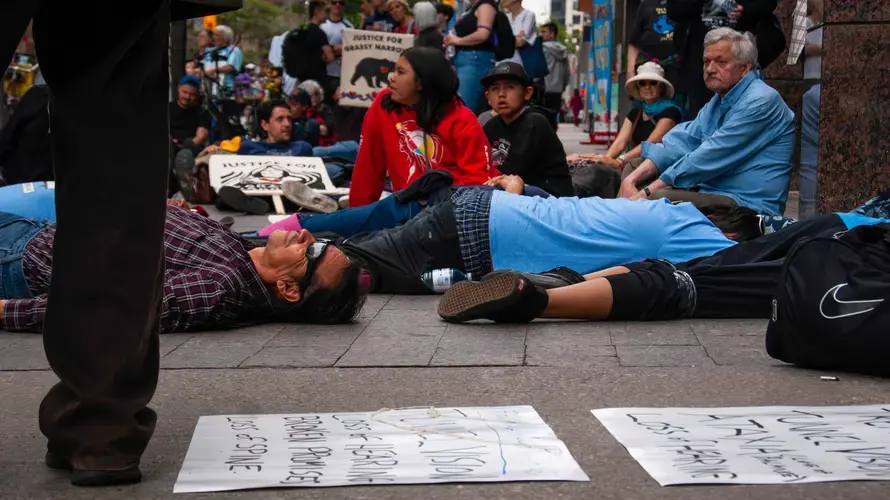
(743, 47)
(226, 32)
(314, 89)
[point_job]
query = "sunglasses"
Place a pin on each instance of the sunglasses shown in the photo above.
(647, 83)
(313, 254)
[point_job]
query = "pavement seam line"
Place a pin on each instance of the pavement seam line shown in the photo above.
(354, 340)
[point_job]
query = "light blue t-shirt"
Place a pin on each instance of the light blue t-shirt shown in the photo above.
(230, 55)
(852, 220)
(532, 234)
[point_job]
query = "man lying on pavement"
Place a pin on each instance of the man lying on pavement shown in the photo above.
(478, 231)
(738, 282)
(214, 278)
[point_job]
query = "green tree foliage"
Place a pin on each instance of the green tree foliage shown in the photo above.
(258, 22)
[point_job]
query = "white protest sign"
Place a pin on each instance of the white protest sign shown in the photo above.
(263, 175)
(755, 445)
(401, 446)
(369, 57)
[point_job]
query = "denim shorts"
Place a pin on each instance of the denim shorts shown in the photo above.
(15, 233)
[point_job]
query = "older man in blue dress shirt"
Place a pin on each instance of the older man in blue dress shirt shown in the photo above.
(737, 151)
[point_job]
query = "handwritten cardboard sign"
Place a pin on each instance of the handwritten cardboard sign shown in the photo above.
(402, 446)
(755, 445)
(369, 57)
(263, 175)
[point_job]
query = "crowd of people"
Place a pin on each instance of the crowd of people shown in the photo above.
(682, 216)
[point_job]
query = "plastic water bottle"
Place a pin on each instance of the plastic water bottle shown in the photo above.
(439, 280)
(450, 51)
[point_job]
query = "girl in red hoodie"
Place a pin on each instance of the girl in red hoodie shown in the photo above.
(416, 125)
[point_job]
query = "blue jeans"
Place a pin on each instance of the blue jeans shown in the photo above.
(809, 153)
(15, 232)
(471, 66)
(346, 150)
(33, 200)
(384, 214)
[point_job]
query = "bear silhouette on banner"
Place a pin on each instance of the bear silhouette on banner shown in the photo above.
(374, 71)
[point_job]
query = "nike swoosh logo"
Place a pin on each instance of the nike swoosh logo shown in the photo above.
(838, 308)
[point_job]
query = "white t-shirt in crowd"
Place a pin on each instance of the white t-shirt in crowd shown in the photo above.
(812, 65)
(334, 31)
(523, 22)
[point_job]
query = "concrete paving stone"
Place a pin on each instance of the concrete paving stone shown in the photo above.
(555, 348)
(256, 334)
(25, 354)
(729, 326)
(334, 336)
(676, 332)
(408, 318)
(735, 355)
(593, 333)
(295, 357)
(194, 354)
(413, 303)
(751, 341)
(170, 341)
(373, 304)
(9, 338)
(562, 396)
(481, 345)
(384, 344)
(663, 355)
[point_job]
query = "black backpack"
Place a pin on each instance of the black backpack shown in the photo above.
(831, 308)
(295, 54)
(502, 36)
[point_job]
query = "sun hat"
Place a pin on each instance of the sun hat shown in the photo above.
(653, 72)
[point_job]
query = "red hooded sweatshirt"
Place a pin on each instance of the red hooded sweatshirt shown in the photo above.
(393, 144)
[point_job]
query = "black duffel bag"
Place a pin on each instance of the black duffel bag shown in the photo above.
(831, 309)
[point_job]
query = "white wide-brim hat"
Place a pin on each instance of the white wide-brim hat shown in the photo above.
(649, 71)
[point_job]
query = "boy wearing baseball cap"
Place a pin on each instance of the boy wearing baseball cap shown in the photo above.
(523, 142)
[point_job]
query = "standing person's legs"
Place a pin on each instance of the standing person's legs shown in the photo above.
(809, 153)
(471, 66)
(101, 326)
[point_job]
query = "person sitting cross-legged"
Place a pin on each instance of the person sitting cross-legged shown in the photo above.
(214, 278)
(738, 149)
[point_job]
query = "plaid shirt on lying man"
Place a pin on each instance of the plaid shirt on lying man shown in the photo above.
(209, 279)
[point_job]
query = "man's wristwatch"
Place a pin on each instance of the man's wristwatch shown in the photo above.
(646, 191)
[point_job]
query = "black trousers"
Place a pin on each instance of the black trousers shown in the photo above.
(101, 329)
(397, 257)
(738, 282)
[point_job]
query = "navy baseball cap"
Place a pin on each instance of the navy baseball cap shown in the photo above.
(506, 71)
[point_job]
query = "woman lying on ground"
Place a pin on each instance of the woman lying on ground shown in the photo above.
(653, 115)
(419, 124)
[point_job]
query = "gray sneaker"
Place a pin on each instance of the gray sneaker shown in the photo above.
(307, 197)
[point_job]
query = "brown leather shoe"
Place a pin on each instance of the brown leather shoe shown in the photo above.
(93, 478)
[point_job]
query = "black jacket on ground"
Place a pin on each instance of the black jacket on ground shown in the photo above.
(529, 147)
